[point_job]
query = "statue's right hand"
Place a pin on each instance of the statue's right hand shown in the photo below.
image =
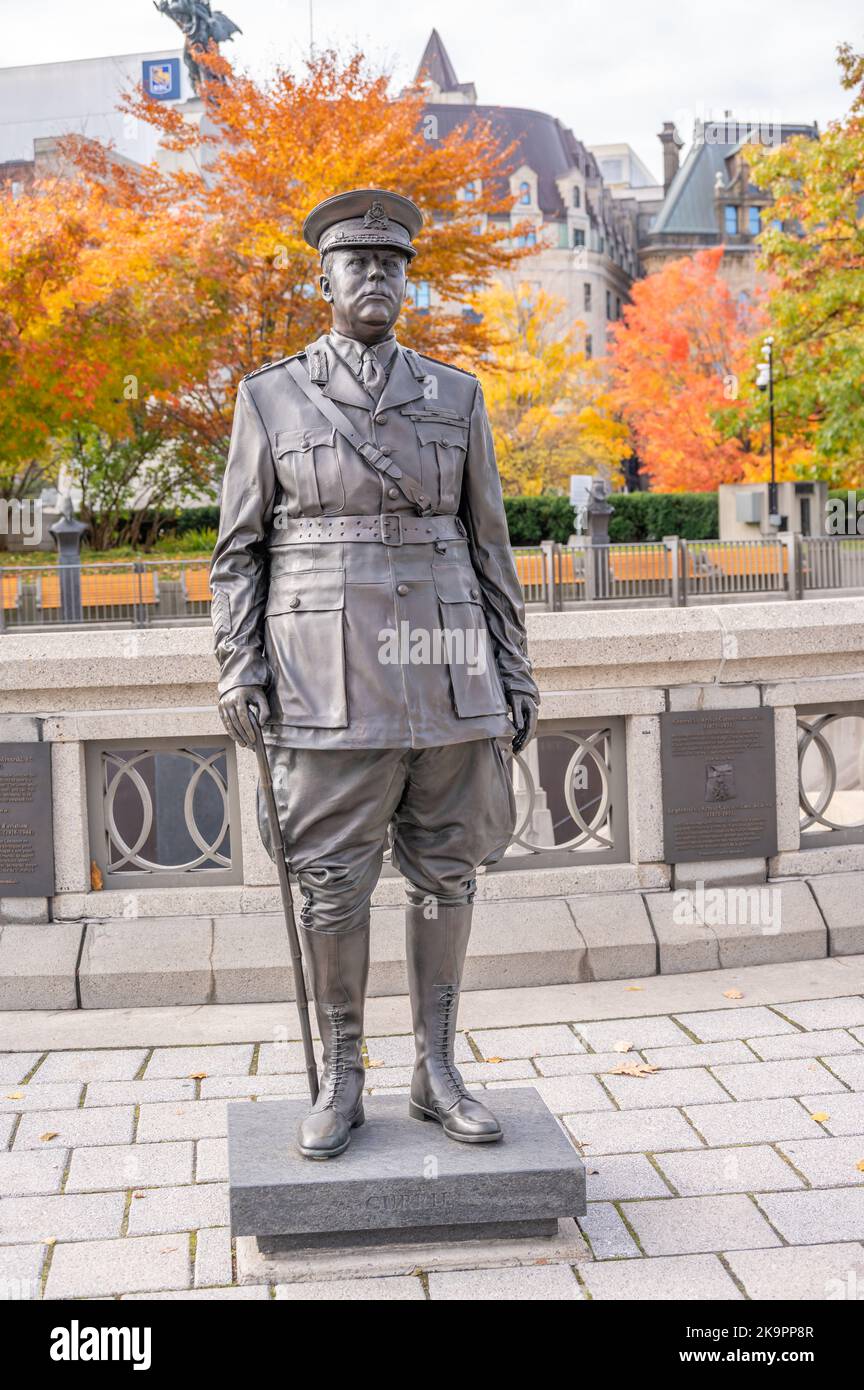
(234, 708)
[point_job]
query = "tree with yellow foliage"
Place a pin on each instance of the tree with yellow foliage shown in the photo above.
(547, 402)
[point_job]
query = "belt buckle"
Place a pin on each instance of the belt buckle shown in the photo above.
(388, 519)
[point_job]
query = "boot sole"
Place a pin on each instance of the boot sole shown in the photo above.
(321, 1155)
(417, 1112)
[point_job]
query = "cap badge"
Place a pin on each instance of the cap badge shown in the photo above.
(376, 217)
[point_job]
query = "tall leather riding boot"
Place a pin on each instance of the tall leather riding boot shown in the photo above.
(436, 955)
(338, 964)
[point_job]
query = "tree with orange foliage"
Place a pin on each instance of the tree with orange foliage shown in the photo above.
(676, 362)
(263, 156)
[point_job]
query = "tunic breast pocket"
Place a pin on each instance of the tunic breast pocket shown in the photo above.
(305, 649)
(443, 446)
(474, 678)
(307, 465)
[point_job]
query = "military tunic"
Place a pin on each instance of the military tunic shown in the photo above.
(369, 626)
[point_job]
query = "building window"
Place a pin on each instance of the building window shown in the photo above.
(525, 193)
(577, 197)
(730, 219)
(586, 296)
(608, 305)
(578, 236)
(420, 295)
(589, 345)
(469, 193)
(776, 224)
(754, 223)
(529, 239)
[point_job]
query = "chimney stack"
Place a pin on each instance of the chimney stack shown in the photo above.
(672, 143)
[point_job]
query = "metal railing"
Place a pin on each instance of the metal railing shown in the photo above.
(673, 572)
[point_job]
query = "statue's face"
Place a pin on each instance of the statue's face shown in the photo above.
(366, 289)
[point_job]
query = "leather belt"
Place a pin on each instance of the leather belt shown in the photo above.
(388, 528)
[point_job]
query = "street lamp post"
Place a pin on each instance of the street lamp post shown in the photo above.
(765, 382)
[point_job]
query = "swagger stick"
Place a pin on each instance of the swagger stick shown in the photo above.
(300, 995)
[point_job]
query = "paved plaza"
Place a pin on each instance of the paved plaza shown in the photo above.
(720, 1116)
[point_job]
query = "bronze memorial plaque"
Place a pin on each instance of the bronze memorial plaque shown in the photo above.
(26, 827)
(719, 792)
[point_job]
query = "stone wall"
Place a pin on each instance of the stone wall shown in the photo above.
(195, 943)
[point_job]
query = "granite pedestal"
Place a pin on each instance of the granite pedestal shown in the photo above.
(401, 1180)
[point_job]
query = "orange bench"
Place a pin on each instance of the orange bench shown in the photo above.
(124, 589)
(10, 591)
(640, 565)
(739, 561)
(196, 583)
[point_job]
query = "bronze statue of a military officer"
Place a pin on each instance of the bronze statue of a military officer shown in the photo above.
(366, 606)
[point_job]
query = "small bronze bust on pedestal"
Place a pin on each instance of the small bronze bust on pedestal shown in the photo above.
(367, 609)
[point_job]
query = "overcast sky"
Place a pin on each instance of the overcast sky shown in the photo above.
(612, 72)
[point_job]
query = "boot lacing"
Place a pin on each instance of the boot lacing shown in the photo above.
(449, 996)
(336, 1061)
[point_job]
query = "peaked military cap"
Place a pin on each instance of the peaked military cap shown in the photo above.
(364, 217)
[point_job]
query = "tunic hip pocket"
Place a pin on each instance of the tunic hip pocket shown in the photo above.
(474, 678)
(305, 648)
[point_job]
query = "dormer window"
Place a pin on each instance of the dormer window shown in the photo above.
(577, 196)
(525, 193)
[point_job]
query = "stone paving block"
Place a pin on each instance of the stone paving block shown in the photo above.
(7, 1124)
(612, 1177)
(764, 1080)
(687, 1086)
(284, 1057)
(672, 1278)
(846, 1012)
(562, 1094)
(26, 1174)
(211, 1160)
(639, 1032)
(213, 1257)
(750, 1168)
(827, 1162)
(696, 1225)
(845, 1112)
(125, 967)
(137, 1092)
(849, 1069)
(26, 1098)
(251, 959)
(228, 1060)
(103, 1125)
(829, 1041)
(699, 1054)
(179, 1209)
(606, 1233)
(544, 1284)
(684, 943)
(747, 1021)
(37, 965)
(14, 1066)
(526, 1042)
(841, 899)
(399, 1051)
(106, 1064)
(823, 1215)
(21, 1271)
(397, 1288)
(238, 1087)
(578, 1064)
(631, 1131)
(748, 1122)
(617, 934)
(197, 1119)
(99, 1268)
(66, 1217)
(130, 1165)
(813, 1273)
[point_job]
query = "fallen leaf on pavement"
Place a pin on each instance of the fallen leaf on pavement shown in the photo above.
(622, 1046)
(732, 994)
(634, 989)
(371, 1062)
(197, 1075)
(15, 1095)
(632, 1069)
(494, 1059)
(860, 1165)
(50, 1134)
(821, 1116)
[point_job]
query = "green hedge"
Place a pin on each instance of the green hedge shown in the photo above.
(638, 516)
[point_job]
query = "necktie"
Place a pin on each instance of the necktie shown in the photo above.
(372, 373)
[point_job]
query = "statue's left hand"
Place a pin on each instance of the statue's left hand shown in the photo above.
(524, 712)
